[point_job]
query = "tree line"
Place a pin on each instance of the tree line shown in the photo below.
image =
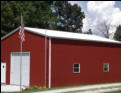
(56, 15)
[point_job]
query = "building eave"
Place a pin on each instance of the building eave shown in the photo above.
(10, 33)
(63, 35)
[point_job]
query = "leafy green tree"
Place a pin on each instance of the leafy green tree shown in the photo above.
(117, 35)
(57, 15)
(70, 16)
(35, 13)
(6, 18)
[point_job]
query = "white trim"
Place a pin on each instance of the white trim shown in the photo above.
(70, 35)
(5, 71)
(65, 35)
(49, 62)
(108, 67)
(10, 33)
(73, 68)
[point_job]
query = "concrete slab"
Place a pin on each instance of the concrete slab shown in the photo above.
(10, 88)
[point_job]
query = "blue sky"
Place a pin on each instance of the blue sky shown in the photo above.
(98, 12)
(118, 4)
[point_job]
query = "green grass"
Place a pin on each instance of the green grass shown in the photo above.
(119, 91)
(36, 89)
(77, 91)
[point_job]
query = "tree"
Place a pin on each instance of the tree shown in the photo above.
(104, 28)
(117, 35)
(88, 32)
(35, 13)
(6, 18)
(70, 16)
(57, 15)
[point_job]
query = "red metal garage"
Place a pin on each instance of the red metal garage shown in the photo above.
(55, 58)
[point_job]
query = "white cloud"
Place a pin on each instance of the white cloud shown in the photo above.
(100, 11)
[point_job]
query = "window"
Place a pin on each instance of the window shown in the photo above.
(106, 67)
(76, 68)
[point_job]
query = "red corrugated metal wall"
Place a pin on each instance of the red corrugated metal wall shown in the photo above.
(36, 46)
(91, 56)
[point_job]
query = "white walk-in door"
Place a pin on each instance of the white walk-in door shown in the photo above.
(3, 72)
(15, 69)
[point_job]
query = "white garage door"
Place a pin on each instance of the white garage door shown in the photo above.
(15, 69)
(3, 72)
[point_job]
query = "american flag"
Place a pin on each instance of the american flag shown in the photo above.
(21, 31)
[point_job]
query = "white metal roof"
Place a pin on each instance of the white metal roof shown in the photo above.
(65, 35)
(69, 35)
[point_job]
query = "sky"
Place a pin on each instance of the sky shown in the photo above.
(99, 12)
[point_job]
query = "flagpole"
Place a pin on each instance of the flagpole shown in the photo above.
(21, 47)
(21, 65)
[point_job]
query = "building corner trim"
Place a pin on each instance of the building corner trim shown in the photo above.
(49, 62)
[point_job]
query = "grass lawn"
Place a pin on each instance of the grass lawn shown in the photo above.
(37, 89)
(119, 91)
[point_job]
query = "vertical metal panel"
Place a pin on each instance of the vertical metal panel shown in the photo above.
(33, 43)
(90, 55)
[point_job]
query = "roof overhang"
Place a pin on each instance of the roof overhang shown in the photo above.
(10, 33)
(63, 35)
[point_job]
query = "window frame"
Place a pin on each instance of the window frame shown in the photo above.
(76, 67)
(107, 67)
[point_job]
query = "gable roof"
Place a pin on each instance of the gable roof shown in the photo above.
(65, 35)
